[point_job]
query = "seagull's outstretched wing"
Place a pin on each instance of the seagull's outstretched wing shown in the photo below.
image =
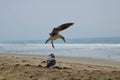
(54, 34)
(64, 26)
(60, 28)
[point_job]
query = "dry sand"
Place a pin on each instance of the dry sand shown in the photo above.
(28, 67)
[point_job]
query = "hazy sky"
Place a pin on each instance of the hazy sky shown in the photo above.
(34, 19)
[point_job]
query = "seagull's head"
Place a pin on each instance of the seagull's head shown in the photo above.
(52, 55)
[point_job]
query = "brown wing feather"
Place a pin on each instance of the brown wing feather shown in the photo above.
(60, 28)
(64, 26)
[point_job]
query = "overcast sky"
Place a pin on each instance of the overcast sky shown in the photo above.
(34, 19)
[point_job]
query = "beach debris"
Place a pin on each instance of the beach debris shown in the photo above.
(67, 68)
(23, 60)
(43, 61)
(40, 65)
(27, 65)
(34, 58)
(51, 60)
(31, 76)
(17, 64)
(58, 67)
(55, 33)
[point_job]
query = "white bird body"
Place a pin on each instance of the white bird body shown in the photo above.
(51, 61)
(58, 36)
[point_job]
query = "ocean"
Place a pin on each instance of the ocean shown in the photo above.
(102, 48)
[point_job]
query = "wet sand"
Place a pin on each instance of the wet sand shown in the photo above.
(29, 67)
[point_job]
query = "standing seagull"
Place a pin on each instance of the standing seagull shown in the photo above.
(55, 33)
(51, 60)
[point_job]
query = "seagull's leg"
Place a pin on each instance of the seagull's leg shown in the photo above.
(47, 40)
(52, 44)
(62, 38)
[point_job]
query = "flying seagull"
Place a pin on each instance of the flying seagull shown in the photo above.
(51, 60)
(55, 33)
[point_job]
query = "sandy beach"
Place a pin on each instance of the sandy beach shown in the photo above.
(29, 67)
